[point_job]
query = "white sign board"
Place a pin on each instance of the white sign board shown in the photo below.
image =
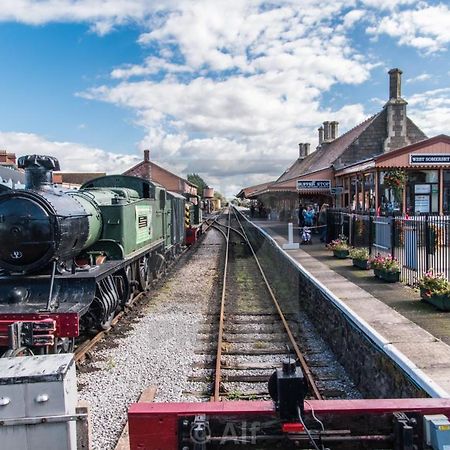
(313, 184)
(422, 203)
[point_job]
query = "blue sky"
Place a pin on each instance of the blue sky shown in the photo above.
(223, 88)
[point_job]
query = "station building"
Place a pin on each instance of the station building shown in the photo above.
(359, 169)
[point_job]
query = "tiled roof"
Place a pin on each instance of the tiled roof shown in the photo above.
(143, 163)
(325, 156)
(250, 190)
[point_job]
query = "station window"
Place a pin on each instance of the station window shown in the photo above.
(446, 193)
(422, 192)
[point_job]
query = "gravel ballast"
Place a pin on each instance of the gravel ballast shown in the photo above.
(157, 349)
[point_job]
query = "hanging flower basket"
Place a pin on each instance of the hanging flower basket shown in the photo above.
(395, 179)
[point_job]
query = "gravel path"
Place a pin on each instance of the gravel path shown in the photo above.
(156, 349)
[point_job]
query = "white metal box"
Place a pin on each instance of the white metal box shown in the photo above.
(38, 397)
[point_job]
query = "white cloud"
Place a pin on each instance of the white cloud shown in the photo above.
(387, 4)
(421, 77)
(239, 85)
(229, 87)
(431, 110)
(72, 156)
(425, 27)
(103, 15)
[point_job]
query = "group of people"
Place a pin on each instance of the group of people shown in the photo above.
(258, 210)
(310, 216)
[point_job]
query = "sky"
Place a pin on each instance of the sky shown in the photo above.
(223, 88)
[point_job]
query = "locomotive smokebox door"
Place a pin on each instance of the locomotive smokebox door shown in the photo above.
(288, 388)
(38, 396)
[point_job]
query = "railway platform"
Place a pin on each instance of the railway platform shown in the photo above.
(417, 330)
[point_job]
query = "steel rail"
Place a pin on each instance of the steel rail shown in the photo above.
(218, 371)
(298, 353)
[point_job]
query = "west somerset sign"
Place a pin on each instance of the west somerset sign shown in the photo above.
(313, 184)
(429, 159)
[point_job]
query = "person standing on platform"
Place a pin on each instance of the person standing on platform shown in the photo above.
(309, 216)
(323, 222)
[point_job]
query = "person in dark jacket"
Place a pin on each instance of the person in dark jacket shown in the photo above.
(301, 218)
(323, 222)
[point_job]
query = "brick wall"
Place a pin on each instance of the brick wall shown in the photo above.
(372, 140)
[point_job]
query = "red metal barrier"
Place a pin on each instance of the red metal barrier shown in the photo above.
(155, 426)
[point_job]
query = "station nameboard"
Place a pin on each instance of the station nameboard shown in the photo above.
(429, 159)
(313, 184)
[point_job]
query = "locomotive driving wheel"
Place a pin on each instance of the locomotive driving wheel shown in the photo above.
(144, 273)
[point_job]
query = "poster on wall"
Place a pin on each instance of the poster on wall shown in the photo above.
(422, 189)
(422, 204)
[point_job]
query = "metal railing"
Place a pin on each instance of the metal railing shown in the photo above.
(419, 243)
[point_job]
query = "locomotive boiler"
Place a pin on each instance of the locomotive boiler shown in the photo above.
(70, 259)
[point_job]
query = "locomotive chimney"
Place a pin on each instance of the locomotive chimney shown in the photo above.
(38, 170)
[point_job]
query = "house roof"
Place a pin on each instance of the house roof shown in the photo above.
(143, 163)
(250, 190)
(325, 156)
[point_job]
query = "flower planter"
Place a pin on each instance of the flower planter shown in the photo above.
(361, 263)
(390, 277)
(341, 254)
(441, 302)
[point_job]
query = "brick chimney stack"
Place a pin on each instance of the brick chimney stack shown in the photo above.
(396, 119)
(334, 130)
(147, 155)
(326, 131)
(320, 130)
(303, 150)
(395, 84)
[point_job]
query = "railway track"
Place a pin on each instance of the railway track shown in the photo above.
(246, 339)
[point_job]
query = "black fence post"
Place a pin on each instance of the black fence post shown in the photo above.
(393, 236)
(370, 233)
(427, 244)
(352, 223)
